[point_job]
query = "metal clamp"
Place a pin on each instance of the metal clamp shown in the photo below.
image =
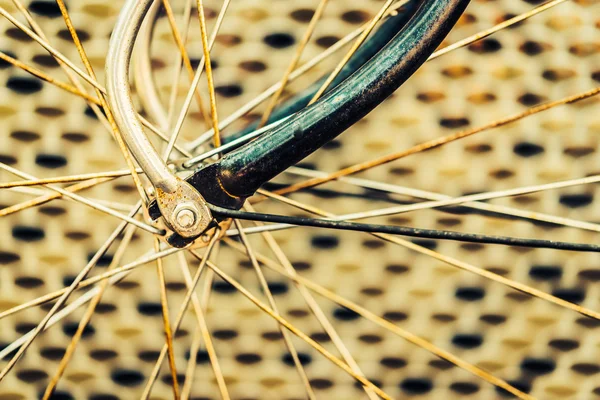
(182, 207)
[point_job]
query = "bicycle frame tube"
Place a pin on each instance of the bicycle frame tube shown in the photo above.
(229, 181)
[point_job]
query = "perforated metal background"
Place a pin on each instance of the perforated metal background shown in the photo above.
(541, 348)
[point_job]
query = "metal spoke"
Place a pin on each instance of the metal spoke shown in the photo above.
(267, 291)
(179, 318)
(462, 265)
(188, 99)
(89, 312)
(85, 201)
(293, 329)
(68, 178)
(392, 328)
(294, 62)
(63, 298)
(438, 142)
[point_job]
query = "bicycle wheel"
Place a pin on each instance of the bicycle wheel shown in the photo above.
(541, 346)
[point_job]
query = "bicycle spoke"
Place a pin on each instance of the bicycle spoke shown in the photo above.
(179, 318)
(43, 76)
(312, 304)
(113, 276)
(267, 291)
(359, 41)
(292, 328)
(63, 298)
(416, 340)
(103, 104)
(204, 333)
(209, 75)
(438, 142)
(340, 223)
(49, 197)
(166, 320)
(68, 178)
(294, 63)
(188, 99)
(348, 38)
(462, 265)
(85, 201)
(89, 312)
(389, 188)
(185, 57)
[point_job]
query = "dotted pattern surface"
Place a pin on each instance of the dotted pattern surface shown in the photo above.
(541, 348)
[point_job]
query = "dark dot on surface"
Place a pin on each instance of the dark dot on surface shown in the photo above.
(7, 257)
(278, 288)
(485, 46)
(103, 396)
(45, 8)
(321, 384)
(25, 136)
(576, 200)
(201, 356)
(248, 358)
(60, 395)
(24, 85)
(279, 40)
(127, 377)
(28, 233)
(532, 48)
(225, 334)
(538, 366)
(45, 60)
(345, 314)
(586, 368)
(324, 242)
(466, 388)
(574, 295)
(427, 243)
(253, 66)
(105, 308)
(221, 286)
(467, 341)
(75, 137)
(228, 91)
(29, 282)
(470, 293)
(103, 354)
(66, 35)
(149, 355)
(149, 308)
(355, 16)
(493, 319)
(31, 375)
(453, 123)
(168, 379)
(526, 149)
(545, 272)
(103, 261)
(521, 385)
(5, 64)
(564, 344)
(302, 15)
(530, 99)
(69, 329)
(395, 316)
(416, 386)
(52, 353)
(51, 161)
(327, 41)
(52, 211)
(393, 362)
(6, 159)
(592, 275)
(304, 359)
(271, 336)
